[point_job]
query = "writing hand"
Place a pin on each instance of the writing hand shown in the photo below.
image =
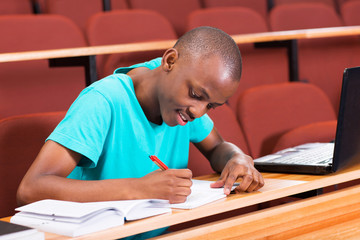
(172, 184)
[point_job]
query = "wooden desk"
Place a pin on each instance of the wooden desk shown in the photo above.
(84, 56)
(334, 215)
(277, 186)
(162, 45)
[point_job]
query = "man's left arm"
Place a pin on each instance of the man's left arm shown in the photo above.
(233, 164)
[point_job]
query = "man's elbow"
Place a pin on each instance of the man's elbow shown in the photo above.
(24, 194)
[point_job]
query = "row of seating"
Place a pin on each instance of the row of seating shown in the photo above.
(175, 11)
(321, 61)
(269, 118)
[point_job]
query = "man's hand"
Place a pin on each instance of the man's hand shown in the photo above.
(239, 166)
(172, 184)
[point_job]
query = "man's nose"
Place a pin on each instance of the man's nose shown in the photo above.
(198, 110)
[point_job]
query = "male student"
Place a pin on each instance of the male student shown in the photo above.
(100, 151)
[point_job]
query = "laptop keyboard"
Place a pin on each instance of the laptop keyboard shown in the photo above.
(318, 155)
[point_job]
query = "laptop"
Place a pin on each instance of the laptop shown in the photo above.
(323, 158)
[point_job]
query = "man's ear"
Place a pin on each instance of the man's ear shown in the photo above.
(169, 58)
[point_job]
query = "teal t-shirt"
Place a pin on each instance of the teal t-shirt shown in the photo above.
(108, 127)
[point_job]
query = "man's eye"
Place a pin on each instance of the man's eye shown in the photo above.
(210, 106)
(194, 95)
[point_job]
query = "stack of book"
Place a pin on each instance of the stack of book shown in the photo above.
(75, 219)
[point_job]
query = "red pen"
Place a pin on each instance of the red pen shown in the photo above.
(158, 162)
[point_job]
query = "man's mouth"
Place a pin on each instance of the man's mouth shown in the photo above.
(183, 117)
(182, 120)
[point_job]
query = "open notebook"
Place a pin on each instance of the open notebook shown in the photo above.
(201, 194)
(322, 158)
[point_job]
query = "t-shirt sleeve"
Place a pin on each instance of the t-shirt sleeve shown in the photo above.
(200, 128)
(85, 127)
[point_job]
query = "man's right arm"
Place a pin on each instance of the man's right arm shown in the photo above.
(47, 179)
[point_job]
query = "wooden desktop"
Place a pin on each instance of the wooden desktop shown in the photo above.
(334, 215)
(278, 185)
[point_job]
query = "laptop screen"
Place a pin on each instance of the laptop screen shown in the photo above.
(347, 141)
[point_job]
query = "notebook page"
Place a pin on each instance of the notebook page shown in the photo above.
(201, 194)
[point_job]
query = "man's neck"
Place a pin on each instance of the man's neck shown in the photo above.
(145, 81)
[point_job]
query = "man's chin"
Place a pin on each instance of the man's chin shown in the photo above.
(173, 123)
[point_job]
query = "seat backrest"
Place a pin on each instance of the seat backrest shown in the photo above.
(350, 12)
(267, 112)
(303, 16)
(127, 26)
(247, 20)
(310, 133)
(260, 66)
(260, 6)
(225, 122)
(15, 7)
(339, 3)
(32, 86)
(21, 138)
(79, 11)
(330, 3)
(119, 4)
(175, 11)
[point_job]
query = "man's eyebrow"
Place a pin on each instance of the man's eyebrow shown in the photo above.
(208, 97)
(205, 93)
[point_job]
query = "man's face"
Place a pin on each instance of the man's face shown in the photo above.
(192, 88)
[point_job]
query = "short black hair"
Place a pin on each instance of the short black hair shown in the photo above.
(205, 41)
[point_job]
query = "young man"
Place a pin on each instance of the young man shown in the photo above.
(100, 151)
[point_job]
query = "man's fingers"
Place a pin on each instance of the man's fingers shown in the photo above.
(182, 173)
(261, 183)
(246, 182)
(229, 182)
(218, 184)
(250, 183)
(221, 181)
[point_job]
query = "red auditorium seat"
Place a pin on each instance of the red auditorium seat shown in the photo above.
(127, 26)
(260, 66)
(78, 11)
(15, 7)
(21, 138)
(119, 4)
(313, 132)
(225, 17)
(225, 122)
(321, 61)
(341, 2)
(303, 16)
(268, 112)
(330, 3)
(174, 10)
(32, 86)
(350, 12)
(260, 6)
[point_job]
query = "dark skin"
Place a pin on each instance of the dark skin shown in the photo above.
(178, 91)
